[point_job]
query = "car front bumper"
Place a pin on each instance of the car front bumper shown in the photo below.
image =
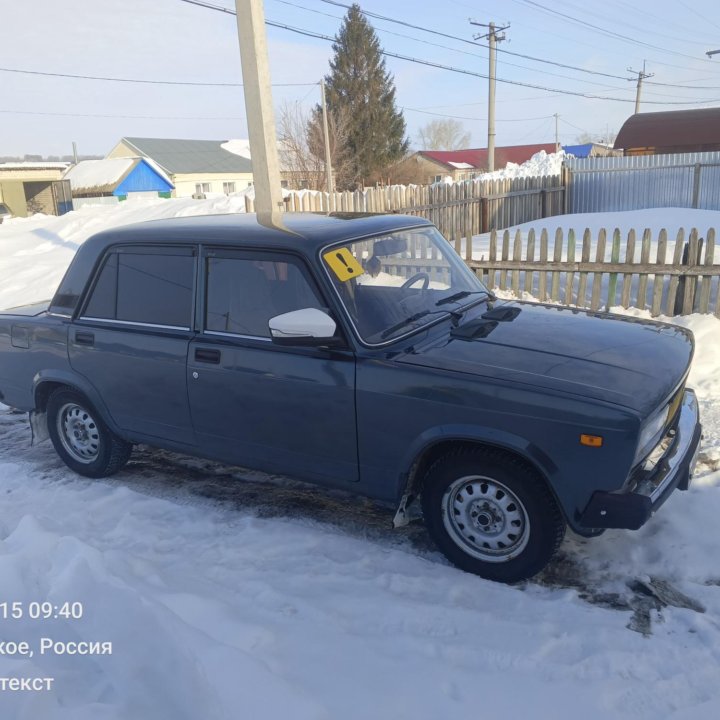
(673, 470)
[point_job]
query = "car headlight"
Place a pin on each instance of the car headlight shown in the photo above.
(650, 432)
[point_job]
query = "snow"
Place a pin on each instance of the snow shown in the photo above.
(671, 219)
(238, 147)
(654, 219)
(97, 174)
(90, 174)
(230, 594)
(35, 251)
(34, 164)
(541, 163)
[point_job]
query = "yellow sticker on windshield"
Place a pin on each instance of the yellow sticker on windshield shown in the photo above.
(343, 263)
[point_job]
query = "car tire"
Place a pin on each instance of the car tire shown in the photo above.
(491, 514)
(81, 438)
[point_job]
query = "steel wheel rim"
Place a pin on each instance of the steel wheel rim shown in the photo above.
(79, 433)
(485, 518)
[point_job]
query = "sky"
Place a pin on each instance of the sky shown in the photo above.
(173, 41)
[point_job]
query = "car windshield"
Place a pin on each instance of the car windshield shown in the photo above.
(393, 284)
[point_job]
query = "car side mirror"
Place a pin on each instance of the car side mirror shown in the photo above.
(306, 327)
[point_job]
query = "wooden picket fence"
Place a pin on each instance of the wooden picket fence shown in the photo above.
(582, 274)
(459, 210)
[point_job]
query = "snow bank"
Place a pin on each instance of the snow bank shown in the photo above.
(671, 219)
(540, 164)
(35, 251)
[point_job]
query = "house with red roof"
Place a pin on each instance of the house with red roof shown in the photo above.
(429, 166)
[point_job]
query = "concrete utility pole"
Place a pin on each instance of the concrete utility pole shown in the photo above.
(259, 109)
(494, 36)
(326, 137)
(642, 75)
(557, 136)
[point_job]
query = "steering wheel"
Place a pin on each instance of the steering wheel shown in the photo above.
(412, 280)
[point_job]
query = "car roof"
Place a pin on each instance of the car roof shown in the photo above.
(305, 231)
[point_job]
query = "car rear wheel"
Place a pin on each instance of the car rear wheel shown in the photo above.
(80, 437)
(491, 514)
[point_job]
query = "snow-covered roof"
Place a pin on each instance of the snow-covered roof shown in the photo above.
(461, 165)
(242, 149)
(238, 147)
(105, 175)
(33, 165)
(102, 175)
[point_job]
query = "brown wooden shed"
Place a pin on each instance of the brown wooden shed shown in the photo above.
(667, 133)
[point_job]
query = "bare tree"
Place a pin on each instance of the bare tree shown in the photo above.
(606, 138)
(446, 134)
(302, 148)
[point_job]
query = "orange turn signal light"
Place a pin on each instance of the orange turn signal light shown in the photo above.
(591, 440)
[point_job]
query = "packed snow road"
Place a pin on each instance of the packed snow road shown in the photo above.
(230, 594)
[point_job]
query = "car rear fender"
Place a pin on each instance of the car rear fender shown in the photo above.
(46, 381)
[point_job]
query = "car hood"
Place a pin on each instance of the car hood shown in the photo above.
(626, 361)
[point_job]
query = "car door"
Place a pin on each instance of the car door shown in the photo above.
(131, 339)
(289, 410)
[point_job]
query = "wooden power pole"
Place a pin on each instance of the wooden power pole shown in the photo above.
(259, 109)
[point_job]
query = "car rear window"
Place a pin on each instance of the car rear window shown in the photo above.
(153, 288)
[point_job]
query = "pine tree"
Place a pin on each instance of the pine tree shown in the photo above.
(360, 87)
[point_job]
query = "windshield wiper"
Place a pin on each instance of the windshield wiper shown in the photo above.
(397, 326)
(456, 314)
(463, 294)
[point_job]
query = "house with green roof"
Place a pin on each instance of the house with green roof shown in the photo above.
(195, 167)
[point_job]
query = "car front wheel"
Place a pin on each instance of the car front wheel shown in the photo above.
(80, 437)
(491, 514)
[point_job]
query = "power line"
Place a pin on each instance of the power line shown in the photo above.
(450, 68)
(684, 35)
(604, 31)
(458, 50)
(461, 117)
(684, 86)
(563, 120)
(440, 66)
(476, 44)
(515, 54)
(122, 117)
(140, 80)
(702, 17)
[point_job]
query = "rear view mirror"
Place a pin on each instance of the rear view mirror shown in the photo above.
(308, 326)
(390, 246)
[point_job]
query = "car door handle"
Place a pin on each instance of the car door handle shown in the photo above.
(206, 355)
(84, 338)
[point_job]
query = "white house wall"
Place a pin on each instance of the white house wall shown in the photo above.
(185, 185)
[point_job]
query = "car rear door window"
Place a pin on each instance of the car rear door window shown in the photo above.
(146, 287)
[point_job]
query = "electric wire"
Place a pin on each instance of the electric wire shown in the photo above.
(428, 63)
